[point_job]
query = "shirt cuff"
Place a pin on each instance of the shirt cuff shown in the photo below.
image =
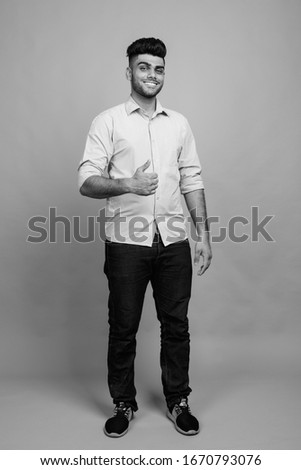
(191, 183)
(85, 170)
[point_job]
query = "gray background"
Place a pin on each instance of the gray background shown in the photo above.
(233, 68)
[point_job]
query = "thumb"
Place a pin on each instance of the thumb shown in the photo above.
(144, 166)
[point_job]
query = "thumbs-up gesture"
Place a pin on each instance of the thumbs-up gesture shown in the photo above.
(143, 183)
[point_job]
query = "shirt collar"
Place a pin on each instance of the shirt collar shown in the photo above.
(131, 105)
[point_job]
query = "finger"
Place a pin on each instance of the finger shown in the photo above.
(144, 166)
(204, 267)
(149, 192)
(152, 176)
(153, 188)
(151, 181)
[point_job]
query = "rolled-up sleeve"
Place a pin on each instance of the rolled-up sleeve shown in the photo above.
(98, 149)
(189, 165)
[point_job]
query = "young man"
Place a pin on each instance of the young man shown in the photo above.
(150, 157)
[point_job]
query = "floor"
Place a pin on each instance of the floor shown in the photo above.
(236, 411)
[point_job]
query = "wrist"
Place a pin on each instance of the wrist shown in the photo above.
(203, 236)
(126, 185)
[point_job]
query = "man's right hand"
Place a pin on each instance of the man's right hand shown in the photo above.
(143, 183)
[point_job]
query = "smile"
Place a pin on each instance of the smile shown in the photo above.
(153, 84)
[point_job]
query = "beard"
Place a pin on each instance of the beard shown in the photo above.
(145, 91)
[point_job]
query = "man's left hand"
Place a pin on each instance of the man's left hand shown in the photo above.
(202, 249)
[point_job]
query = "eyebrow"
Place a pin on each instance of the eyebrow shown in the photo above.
(146, 63)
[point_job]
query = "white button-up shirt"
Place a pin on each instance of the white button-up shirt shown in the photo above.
(122, 139)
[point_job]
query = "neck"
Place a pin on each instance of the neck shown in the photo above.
(147, 104)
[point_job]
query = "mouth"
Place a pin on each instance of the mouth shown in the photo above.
(151, 84)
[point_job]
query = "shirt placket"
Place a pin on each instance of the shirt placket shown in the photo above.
(155, 161)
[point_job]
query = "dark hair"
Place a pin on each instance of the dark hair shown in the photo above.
(150, 46)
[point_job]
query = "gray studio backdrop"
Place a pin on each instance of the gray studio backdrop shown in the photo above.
(233, 68)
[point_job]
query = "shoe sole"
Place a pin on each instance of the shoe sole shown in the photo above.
(114, 434)
(192, 432)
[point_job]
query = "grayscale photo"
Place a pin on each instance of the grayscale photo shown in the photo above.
(150, 259)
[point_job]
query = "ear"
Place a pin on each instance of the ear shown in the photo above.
(128, 73)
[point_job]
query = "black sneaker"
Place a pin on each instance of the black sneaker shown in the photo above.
(182, 418)
(118, 425)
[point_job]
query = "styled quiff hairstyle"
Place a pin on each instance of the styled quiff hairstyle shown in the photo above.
(150, 46)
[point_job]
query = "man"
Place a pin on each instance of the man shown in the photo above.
(150, 158)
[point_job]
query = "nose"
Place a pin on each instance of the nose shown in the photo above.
(151, 73)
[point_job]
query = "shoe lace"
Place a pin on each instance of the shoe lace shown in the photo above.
(121, 408)
(182, 407)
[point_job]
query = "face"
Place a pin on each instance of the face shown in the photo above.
(146, 74)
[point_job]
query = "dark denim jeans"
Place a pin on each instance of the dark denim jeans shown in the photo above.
(129, 269)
